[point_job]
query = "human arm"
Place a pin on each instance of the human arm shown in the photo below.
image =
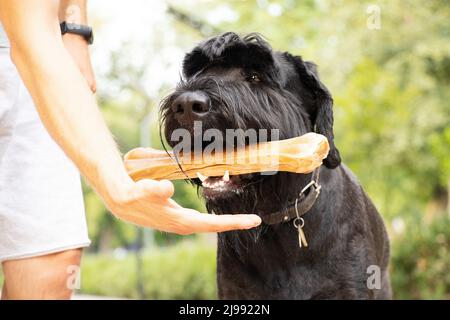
(74, 11)
(70, 113)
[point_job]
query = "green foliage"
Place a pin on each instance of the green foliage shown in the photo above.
(184, 271)
(421, 261)
(388, 148)
(440, 149)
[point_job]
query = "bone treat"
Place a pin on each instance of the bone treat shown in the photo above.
(299, 155)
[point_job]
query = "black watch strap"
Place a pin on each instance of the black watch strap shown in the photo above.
(79, 29)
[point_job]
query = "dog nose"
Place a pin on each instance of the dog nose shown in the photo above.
(190, 106)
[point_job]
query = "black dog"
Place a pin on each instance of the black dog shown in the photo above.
(234, 82)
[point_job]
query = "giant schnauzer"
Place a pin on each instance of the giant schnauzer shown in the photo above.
(310, 246)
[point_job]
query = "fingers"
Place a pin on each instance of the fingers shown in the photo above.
(154, 208)
(193, 222)
(173, 204)
(153, 188)
(144, 153)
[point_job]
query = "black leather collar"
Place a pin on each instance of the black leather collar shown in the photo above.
(304, 202)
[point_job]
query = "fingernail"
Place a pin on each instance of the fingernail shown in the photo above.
(255, 221)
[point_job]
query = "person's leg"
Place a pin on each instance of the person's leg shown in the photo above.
(4, 292)
(42, 214)
(44, 277)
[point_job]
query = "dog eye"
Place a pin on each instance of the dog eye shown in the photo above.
(253, 78)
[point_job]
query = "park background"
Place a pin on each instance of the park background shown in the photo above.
(390, 83)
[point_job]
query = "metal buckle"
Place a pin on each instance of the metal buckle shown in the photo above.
(299, 222)
(309, 185)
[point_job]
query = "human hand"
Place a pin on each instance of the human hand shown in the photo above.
(148, 203)
(78, 49)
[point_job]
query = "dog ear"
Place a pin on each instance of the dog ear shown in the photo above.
(322, 113)
(229, 49)
(194, 61)
(207, 51)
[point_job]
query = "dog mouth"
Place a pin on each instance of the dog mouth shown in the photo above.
(223, 186)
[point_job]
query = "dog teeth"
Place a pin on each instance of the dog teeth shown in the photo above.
(201, 177)
(215, 183)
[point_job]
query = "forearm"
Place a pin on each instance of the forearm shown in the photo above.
(64, 102)
(69, 111)
(74, 11)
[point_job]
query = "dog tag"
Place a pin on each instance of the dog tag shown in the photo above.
(301, 238)
(299, 223)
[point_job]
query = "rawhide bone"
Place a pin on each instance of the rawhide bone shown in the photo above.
(299, 155)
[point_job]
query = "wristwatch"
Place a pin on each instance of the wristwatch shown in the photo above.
(79, 29)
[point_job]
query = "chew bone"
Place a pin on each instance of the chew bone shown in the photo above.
(299, 155)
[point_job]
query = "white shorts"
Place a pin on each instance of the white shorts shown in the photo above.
(41, 201)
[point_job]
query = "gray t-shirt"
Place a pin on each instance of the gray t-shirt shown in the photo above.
(4, 43)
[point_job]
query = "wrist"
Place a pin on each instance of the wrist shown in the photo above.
(115, 189)
(76, 39)
(77, 29)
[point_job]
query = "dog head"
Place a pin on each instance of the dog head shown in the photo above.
(233, 82)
